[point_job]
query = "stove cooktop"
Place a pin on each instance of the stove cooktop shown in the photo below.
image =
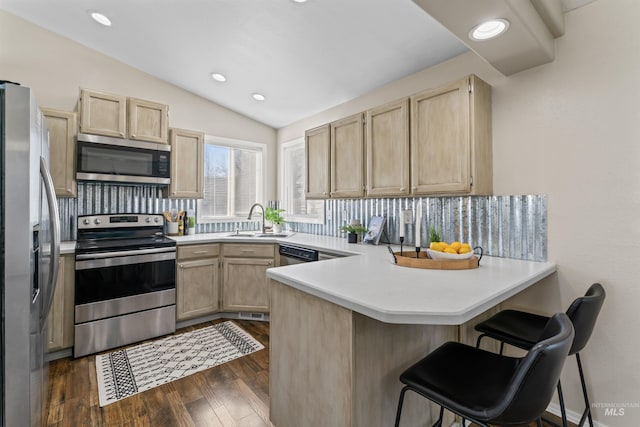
(112, 245)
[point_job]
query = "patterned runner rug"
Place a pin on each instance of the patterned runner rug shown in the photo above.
(135, 369)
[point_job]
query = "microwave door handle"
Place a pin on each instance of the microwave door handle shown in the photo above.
(55, 238)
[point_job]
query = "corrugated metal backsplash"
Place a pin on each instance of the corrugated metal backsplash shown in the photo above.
(505, 226)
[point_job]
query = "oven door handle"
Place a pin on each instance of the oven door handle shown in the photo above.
(124, 260)
(125, 253)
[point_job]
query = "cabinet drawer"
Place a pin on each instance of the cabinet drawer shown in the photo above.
(198, 251)
(248, 250)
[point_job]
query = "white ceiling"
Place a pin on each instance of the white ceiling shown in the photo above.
(304, 58)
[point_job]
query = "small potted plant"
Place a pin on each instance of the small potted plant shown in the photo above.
(192, 224)
(273, 215)
(353, 229)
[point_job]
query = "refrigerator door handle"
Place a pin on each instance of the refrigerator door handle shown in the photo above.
(55, 238)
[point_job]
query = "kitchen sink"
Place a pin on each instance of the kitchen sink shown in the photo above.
(245, 235)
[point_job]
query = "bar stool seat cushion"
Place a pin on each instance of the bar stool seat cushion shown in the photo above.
(518, 328)
(464, 378)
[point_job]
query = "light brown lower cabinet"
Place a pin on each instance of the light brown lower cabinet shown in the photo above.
(197, 281)
(60, 318)
(245, 285)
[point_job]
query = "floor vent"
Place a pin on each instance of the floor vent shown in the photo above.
(251, 316)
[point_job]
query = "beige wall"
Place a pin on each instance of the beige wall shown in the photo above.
(56, 68)
(569, 129)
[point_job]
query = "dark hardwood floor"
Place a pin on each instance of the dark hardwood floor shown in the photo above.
(235, 394)
(232, 394)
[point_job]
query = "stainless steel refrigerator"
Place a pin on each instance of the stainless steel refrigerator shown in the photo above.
(30, 244)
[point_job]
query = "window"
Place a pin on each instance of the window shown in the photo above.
(234, 178)
(292, 186)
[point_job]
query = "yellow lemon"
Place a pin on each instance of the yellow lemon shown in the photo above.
(434, 246)
(466, 245)
(450, 250)
(464, 249)
(455, 246)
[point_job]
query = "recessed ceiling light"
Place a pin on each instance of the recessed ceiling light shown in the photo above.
(218, 77)
(258, 96)
(299, 1)
(100, 18)
(489, 29)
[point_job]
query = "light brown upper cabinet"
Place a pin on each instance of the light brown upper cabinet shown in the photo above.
(63, 130)
(121, 117)
(347, 152)
(187, 164)
(451, 139)
(317, 152)
(387, 149)
(103, 113)
(148, 121)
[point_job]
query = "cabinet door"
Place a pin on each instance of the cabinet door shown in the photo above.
(245, 285)
(347, 152)
(317, 149)
(60, 317)
(387, 149)
(197, 288)
(148, 121)
(63, 130)
(103, 113)
(187, 164)
(440, 142)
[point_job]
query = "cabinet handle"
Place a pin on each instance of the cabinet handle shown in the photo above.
(247, 250)
(270, 263)
(414, 188)
(401, 188)
(181, 265)
(201, 252)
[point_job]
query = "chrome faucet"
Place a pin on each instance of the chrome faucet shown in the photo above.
(264, 230)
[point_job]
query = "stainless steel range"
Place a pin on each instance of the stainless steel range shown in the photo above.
(125, 287)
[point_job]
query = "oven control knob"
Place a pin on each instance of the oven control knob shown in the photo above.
(86, 221)
(97, 221)
(147, 220)
(156, 219)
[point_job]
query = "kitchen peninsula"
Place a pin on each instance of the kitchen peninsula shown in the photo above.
(343, 330)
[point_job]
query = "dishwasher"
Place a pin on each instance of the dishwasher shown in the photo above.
(290, 255)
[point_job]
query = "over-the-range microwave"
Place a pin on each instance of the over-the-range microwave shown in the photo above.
(102, 158)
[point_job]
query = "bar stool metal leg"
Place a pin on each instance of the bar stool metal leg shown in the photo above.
(587, 409)
(563, 410)
(399, 411)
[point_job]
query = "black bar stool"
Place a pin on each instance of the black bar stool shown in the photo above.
(522, 330)
(486, 387)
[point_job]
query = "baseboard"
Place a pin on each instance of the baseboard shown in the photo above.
(572, 416)
(217, 316)
(60, 354)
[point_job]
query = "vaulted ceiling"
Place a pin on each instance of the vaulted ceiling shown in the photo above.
(303, 57)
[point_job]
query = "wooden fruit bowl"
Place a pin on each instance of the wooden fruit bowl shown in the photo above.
(409, 259)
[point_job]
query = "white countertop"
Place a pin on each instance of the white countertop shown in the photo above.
(67, 247)
(370, 283)
(367, 281)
